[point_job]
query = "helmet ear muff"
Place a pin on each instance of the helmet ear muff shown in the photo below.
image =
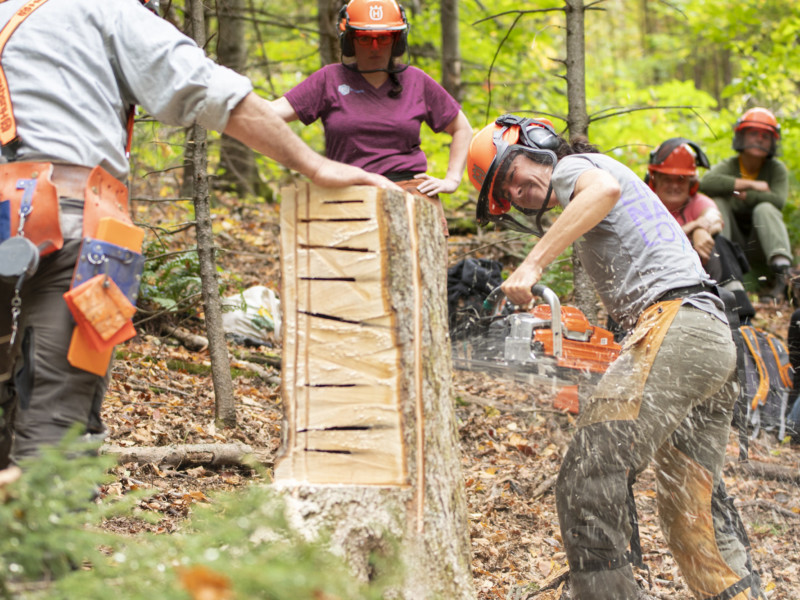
(345, 33)
(401, 43)
(663, 152)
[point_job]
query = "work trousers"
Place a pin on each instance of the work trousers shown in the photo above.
(764, 239)
(671, 404)
(41, 395)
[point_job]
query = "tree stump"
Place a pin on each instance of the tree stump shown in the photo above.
(370, 454)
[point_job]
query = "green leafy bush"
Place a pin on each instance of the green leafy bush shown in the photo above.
(170, 280)
(236, 546)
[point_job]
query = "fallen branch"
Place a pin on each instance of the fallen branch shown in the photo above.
(189, 340)
(768, 505)
(257, 369)
(183, 455)
(760, 470)
(544, 486)
(263, 359)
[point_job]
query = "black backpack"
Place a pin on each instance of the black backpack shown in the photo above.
(468, 283)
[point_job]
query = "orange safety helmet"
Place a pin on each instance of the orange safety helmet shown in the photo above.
(491, 148)
(372, 15)
(677, 156)
(756, 118)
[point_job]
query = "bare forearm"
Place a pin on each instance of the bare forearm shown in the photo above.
(255, 124)
(462, 135)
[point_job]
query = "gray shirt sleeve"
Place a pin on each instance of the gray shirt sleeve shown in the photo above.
(170, 76)
(74, 67)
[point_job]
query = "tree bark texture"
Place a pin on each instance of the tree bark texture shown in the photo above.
(451, 53)
(237, 161)
(370, 452)
(328, 23)
(577, 118)
(212, 305)
(578, 123)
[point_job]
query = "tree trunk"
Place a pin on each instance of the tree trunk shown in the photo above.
(237, 161)
(578, 123)
(370, 451)
(212, 305)
(451, 54)
(328, 23)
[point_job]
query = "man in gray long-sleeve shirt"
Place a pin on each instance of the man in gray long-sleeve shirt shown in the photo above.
(750, 190)
(73, 70)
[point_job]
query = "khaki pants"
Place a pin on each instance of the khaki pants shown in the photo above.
(671, 403)
(765, 239)
(41, 395)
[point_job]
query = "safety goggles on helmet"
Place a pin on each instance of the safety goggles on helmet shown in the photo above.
(518, 139)
(367, 39)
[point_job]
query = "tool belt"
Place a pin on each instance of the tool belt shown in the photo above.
(105, 283)
(685, 292)
(29, 193)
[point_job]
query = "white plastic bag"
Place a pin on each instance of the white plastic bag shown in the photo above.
(253, 313)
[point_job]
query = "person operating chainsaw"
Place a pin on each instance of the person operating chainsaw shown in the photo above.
(668, 397)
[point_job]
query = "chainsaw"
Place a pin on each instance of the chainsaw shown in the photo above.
(546, 344)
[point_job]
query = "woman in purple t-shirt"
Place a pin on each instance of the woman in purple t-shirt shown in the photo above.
(372, 109)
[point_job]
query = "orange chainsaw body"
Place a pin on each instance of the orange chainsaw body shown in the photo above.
(584, 346)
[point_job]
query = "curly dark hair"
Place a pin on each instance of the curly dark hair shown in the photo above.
(579, 145)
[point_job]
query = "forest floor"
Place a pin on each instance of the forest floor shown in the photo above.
(512, 442)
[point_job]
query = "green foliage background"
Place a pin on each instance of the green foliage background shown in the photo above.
(654, 70)
(52, 546)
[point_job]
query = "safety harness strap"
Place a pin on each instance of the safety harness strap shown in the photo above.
(599, 564)
(8, 124)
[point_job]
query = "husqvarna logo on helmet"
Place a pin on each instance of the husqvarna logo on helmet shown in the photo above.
(376, 12)
(478, 174)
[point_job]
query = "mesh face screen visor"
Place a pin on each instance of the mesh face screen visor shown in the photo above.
(533, 167)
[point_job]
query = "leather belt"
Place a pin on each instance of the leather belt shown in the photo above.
(70, 180)
(686, 291)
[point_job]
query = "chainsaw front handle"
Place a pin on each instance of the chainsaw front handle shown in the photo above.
(521, 328)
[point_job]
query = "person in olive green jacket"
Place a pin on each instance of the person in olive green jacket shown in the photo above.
(750, 190)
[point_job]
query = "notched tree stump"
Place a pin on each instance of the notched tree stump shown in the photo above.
(370, 452)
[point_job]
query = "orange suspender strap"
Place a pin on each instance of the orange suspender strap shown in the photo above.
(751, 339)
(783, 367)
(8, 124)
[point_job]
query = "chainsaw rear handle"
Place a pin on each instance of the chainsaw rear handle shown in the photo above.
(492, 303)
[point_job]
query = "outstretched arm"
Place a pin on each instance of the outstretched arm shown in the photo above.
(461, 131)
(596, 193)
(254, 123)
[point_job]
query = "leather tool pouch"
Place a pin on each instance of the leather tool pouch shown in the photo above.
(27, 193)
(103, 294)
(121, 265)
(102, 312)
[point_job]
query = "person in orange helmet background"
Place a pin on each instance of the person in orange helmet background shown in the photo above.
(750, 190)
(672, 175)
(372, 108)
